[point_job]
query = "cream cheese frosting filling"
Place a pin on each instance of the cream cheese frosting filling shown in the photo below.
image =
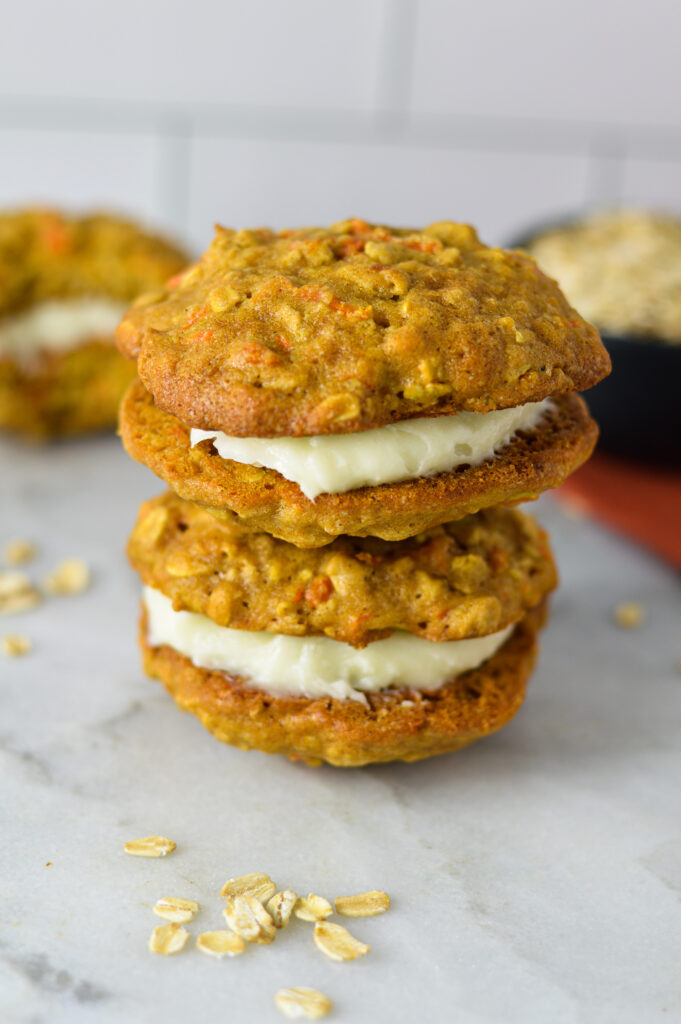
(314, 666)
(335, 463)
(59, 324)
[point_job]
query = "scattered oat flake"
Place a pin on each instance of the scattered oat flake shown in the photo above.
(312, 908)
(15, 644)
(246, 916)
(220, 943)
(296, 1003)
(18, 552)
(267, 930)
(13, 582)
(21, 602)
(167, 939)
(174, 908)
(629, 614)
(149, 846)
(257, 884)
(365, 904)
(17, 593)
(281, 906)
(337, 943)
(72, 576)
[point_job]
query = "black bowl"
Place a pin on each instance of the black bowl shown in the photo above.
(638, 407)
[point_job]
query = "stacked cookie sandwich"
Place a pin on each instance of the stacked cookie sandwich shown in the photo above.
(65, 282)
(344, 416)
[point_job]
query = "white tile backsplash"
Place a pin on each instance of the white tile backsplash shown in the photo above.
(654, 183)
(81, 171)
(280, 184)
(583, 60)
(306, 111)
(299, 54)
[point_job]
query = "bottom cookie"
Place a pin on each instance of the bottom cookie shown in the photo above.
(396, 725)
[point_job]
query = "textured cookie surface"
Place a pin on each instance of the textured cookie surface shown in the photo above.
(265, 500)
(402, 724)
(464, 579)
(346, 328)
(45, 254)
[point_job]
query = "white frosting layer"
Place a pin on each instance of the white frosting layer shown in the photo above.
(333, 463)
(59, 324)
(315, 666)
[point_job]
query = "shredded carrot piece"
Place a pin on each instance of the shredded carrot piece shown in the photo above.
(310, 293)
(424, 245)
(349, 246)
(319, 591)
(55, 236)
(283, 343)
(196, 314)
(202, 336)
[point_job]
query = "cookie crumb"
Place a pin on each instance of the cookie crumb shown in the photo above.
(18, 552)
(71, 576)
(629, 614)
(14, 645)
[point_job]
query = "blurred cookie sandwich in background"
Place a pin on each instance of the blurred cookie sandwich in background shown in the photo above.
(65, 282)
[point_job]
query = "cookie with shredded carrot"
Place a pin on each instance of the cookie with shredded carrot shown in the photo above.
(263, 500)
(65, 282)
(464, 579)
(348, 328)
(399, 724)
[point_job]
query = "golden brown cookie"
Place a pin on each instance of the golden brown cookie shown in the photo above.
(346, 328)
(66, 393)
(45, 254)
(394, 725)
(48, 257)
(464, 579)
(264, 500)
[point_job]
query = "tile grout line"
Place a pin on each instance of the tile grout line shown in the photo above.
(172, 172)
(605, 170)
(396, 70)
(385, 127)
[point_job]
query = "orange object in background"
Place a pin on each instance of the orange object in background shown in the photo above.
(644, 504)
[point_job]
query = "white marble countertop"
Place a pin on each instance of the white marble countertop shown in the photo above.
(535, 877)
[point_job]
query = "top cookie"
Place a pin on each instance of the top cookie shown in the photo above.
(45, 254)
(342, 329)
